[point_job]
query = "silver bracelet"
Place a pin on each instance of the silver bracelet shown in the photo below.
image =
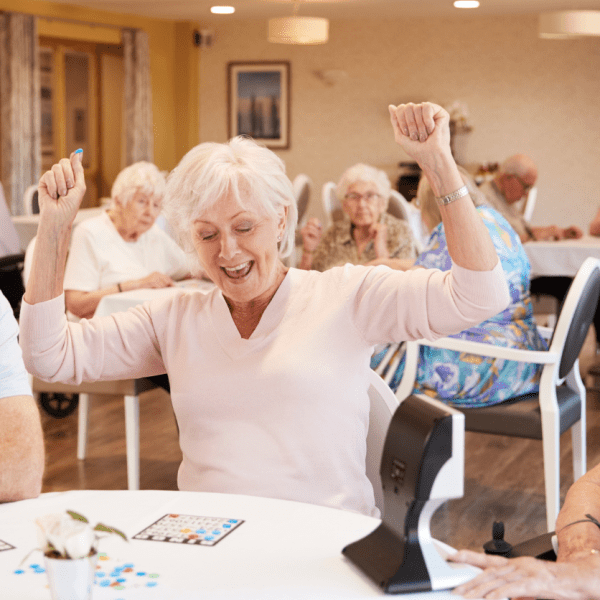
(459, 193)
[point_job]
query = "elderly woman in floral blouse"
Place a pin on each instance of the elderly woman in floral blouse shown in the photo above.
(367, 232)
(459, 378)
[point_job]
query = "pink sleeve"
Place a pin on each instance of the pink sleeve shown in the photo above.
(120, 346)
(392, 306)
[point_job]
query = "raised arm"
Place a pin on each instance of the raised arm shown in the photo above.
(60, 192)
(423, 131)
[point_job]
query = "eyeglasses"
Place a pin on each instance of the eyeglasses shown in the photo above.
(369, 197)
(526, 186)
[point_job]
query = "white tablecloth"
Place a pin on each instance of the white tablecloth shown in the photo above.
(562, 258)
(126, 300)
(283, 550)
(27, 225)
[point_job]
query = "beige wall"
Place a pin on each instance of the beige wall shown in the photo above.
(524, 94)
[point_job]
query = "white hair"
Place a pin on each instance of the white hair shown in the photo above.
(211, 171)
(139, 177)
(365, 174)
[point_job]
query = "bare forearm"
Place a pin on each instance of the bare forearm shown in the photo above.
(21, 449)
(583, 498)
(469, 242)
(84, 304)
(48, 264)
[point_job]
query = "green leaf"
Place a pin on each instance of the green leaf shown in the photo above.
(107, 529)
(77, 516)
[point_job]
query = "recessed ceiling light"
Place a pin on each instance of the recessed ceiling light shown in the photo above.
(222, 10)
(466, 4)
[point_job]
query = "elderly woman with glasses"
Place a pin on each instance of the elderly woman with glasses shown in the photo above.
(367, 231)
(123, 249)
(269, 371)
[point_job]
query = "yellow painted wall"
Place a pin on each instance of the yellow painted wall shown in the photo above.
(173, 86)
(524, 94)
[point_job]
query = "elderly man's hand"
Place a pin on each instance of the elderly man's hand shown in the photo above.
(61, 190)
(423, 131)
(527, 577)
(311, 233)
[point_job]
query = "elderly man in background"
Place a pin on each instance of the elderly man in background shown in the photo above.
(123, 249)
(21, 439)
(516, 176)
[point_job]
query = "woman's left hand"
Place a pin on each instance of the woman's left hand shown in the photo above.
(423, 131)
(526, 577)
(379, 233)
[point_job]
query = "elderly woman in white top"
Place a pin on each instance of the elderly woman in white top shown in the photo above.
(123, 249)
(269, 372)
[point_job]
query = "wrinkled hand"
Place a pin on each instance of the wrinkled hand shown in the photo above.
(155, 280)
(311, 233)
(61, 190)
(526, 577)
(379, 235)
(422, 130)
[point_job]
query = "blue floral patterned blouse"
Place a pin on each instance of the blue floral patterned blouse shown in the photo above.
(472, 380)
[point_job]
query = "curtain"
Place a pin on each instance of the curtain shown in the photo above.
(139, 135)
(19, 107)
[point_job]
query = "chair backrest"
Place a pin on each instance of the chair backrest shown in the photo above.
(383, 406)
(30, 200)
(11, 282)
(398, 206)
(302, 187)
(401, 208)
(529, 204)
(330, 202)
(576, 315)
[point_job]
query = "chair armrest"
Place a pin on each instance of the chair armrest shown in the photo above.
(545, 332)
(540, 357)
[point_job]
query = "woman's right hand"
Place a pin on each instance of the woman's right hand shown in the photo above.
(311, 233)
(61, 190)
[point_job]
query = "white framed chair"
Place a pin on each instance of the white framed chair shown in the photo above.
(302, 185)
(401, 208)
(527, 205)
(331, 204)
(561, 402)
(383, 406)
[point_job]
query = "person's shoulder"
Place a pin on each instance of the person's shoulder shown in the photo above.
(395, 224)
(94, 227)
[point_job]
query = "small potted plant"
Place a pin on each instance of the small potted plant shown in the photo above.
(70, 547)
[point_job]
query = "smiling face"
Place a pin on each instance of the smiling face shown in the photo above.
(363, 203)
(138, 215)
(237, 247)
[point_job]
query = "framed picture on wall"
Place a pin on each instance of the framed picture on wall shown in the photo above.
(259, 102)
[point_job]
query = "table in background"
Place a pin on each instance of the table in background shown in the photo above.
(126, 300)
(560, 258)
(283, 549)
(27, 225)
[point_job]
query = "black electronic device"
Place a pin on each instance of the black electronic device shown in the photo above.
(422, 466)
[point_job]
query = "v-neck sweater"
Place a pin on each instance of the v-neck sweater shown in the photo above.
(282, 414)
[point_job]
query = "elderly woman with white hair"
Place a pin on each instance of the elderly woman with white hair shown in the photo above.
(269, 371)
(123, 249)
(366, 233)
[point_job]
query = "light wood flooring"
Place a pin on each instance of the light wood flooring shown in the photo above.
(504, 477)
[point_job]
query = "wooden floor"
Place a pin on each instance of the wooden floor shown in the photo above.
(504, 477)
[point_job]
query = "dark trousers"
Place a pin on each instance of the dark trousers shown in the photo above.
(558, 288)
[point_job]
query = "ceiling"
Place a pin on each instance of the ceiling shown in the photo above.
(199, 10)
